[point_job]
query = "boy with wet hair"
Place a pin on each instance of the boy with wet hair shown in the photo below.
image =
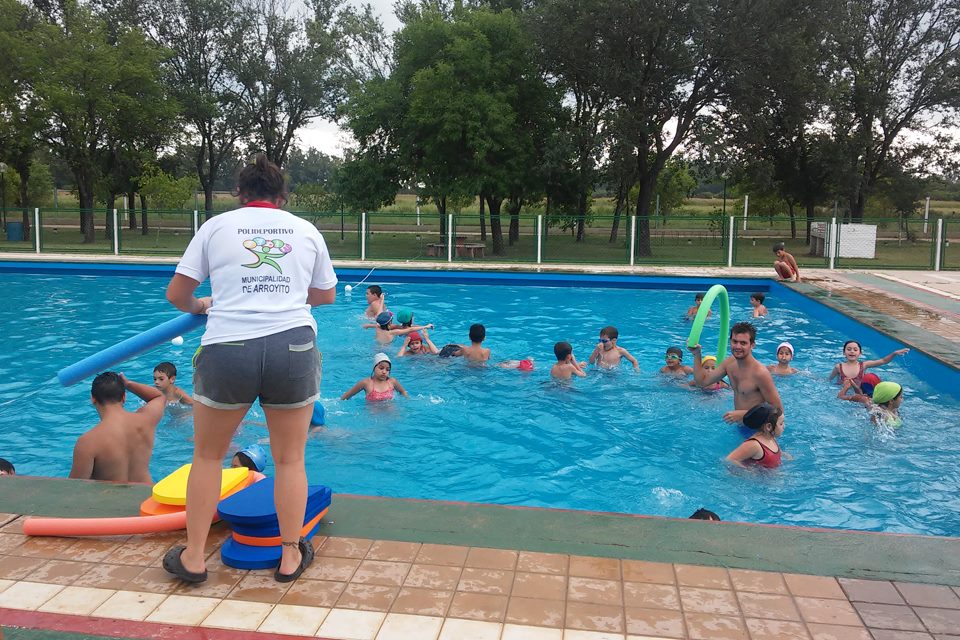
(566, 366)
(692, 311)
(6, 469)
(756, 301)
(119, 447)
(375, 301)
(674, 364)
(476, 352)
(607, 354)
(165, 379)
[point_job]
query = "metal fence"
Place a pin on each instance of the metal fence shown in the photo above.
(897, 243)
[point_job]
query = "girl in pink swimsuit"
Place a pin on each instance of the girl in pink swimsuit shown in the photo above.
(849, 373)
(761, 449)
(379, 386)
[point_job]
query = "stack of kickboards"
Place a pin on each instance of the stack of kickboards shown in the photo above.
(251, 514)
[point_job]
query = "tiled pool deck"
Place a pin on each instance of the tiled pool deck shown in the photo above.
(412, 570)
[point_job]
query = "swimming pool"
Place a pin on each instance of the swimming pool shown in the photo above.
(617, 441)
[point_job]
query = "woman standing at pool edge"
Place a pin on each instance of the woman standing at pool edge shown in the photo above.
(267, 268)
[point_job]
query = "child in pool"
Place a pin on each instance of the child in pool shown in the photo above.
(675, 366)
(709, 365)
(852, 369)
(784, 357)
(522, 365)
(761, 449)
(756, 301)
(6, 468)
(418, 343)
(566, 366)
(607, 354)
(386, 330)
(863, 392)
(692, 311)
(376, 304)
(887, 398)
(476, 352)
(252, 457)
(379, 386)
(165, 379)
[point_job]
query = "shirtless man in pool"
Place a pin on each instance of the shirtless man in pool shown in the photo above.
(750, 380)
(119, 447)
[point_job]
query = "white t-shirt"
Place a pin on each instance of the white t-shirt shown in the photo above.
(260, 262)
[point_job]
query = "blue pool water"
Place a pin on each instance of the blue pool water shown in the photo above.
(616, 441)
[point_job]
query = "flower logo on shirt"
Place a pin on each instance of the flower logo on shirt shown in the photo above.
(266, 251)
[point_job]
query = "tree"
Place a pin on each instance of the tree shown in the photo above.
(673, 64)
(290, 71)
(22, 118)
(204, 38)
(569, 36)
(89, 86)
(163, 190)
(309, 167)
(894, 72)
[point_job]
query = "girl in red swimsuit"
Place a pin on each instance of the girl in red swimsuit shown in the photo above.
(761, 449)
(379, 386)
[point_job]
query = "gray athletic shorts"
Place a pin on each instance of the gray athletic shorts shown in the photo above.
(282, 370)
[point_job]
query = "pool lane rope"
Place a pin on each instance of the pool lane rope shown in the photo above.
(701, 317)
(135, 345)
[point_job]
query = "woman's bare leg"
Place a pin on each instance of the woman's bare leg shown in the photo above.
(288, 437)
(212, 433)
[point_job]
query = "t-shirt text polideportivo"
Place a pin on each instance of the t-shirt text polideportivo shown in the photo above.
(260, 262)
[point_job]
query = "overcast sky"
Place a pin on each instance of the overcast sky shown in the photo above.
(325, 135)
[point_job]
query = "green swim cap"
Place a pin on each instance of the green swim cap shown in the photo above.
(404, 316)
(886, 391)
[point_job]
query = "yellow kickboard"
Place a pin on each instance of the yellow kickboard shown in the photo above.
(173, 488)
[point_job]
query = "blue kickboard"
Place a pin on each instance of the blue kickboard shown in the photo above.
(254, 505)
(273, 529)
(243, 556)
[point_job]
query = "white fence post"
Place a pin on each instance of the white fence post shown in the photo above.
(539, 238)
(36, 228)
(633, 239)
(832, 240)
(939, 241)
(449, 237)
(363, 235)
(746, 205)
(116, 234)
(926, 214)
(733, 227)
(196, 221)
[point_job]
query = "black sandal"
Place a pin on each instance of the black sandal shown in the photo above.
(306, 559)
(173, 563)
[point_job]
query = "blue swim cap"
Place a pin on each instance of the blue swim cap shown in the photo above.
(319, 416)
(256, 455)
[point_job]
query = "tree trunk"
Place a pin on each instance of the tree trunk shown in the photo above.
(617, 211)
(85, 195)
(483, 221)
(857, 205)
(581, 215)
(643, 216)
(442, 210)
(144, 226)
(811, 212)
(24, 171)
(514, 208)
(207, 200)
(132, 209)
(793, 219)
(493, 203)
(108, 218)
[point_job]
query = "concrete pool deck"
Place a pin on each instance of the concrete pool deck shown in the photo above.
(413, 569)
